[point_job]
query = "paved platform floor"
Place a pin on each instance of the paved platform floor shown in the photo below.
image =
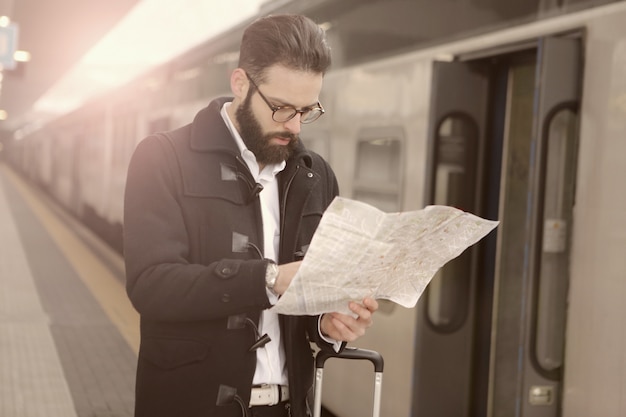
(68, 334)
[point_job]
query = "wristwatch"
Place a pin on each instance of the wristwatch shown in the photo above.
(271, 275)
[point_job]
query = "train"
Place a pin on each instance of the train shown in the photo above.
(513, 111)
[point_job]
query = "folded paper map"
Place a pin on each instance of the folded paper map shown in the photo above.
(360, 251)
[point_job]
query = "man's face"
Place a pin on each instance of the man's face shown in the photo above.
(271, 141)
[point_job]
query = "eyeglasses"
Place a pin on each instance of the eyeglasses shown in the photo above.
(282, 114)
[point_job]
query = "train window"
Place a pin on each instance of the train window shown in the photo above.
(455, 154)
(378, 169)
(560, 165)
(454, 184)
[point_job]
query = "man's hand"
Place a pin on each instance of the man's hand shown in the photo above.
(342, 327)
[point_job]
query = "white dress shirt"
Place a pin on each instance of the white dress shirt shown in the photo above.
(270, 366)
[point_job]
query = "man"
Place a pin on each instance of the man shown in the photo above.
(218, 215)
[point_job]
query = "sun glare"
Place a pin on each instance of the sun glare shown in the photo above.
(152, 33)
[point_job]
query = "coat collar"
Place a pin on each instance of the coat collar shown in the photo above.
(209, 133)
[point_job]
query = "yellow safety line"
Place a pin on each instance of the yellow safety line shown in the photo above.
(104, 286)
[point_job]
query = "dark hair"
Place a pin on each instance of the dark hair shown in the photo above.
(293, 41)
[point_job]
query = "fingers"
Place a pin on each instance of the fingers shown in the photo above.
(371, 304)
(348, 328)
(344, 328)
(366, 309)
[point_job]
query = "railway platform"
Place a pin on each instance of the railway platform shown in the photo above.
(68, 334)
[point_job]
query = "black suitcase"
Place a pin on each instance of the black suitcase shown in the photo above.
(349, 353)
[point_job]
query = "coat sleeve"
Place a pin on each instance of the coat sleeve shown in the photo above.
(161, 283)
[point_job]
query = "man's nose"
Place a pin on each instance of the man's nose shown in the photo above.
(293, 125)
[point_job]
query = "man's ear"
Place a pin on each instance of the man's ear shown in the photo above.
(239, 83)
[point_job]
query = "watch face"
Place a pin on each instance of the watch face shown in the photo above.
(271, 273)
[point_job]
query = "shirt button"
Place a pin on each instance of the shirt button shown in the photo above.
(225, 298)
(310, 175)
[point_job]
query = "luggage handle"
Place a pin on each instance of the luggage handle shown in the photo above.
(349, 353)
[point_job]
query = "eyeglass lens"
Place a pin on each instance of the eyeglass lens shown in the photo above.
(284, 114)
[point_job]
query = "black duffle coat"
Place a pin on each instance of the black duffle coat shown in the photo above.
(191, 217)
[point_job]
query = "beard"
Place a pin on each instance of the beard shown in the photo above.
(257, 141)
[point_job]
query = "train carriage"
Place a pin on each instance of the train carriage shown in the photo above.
(523, 121)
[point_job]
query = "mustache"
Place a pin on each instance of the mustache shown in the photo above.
(287, 135)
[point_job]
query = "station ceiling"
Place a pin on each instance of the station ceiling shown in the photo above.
(57, 34)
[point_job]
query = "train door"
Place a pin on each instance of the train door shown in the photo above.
(491, 326)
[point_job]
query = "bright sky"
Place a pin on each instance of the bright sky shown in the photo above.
(152, 33)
